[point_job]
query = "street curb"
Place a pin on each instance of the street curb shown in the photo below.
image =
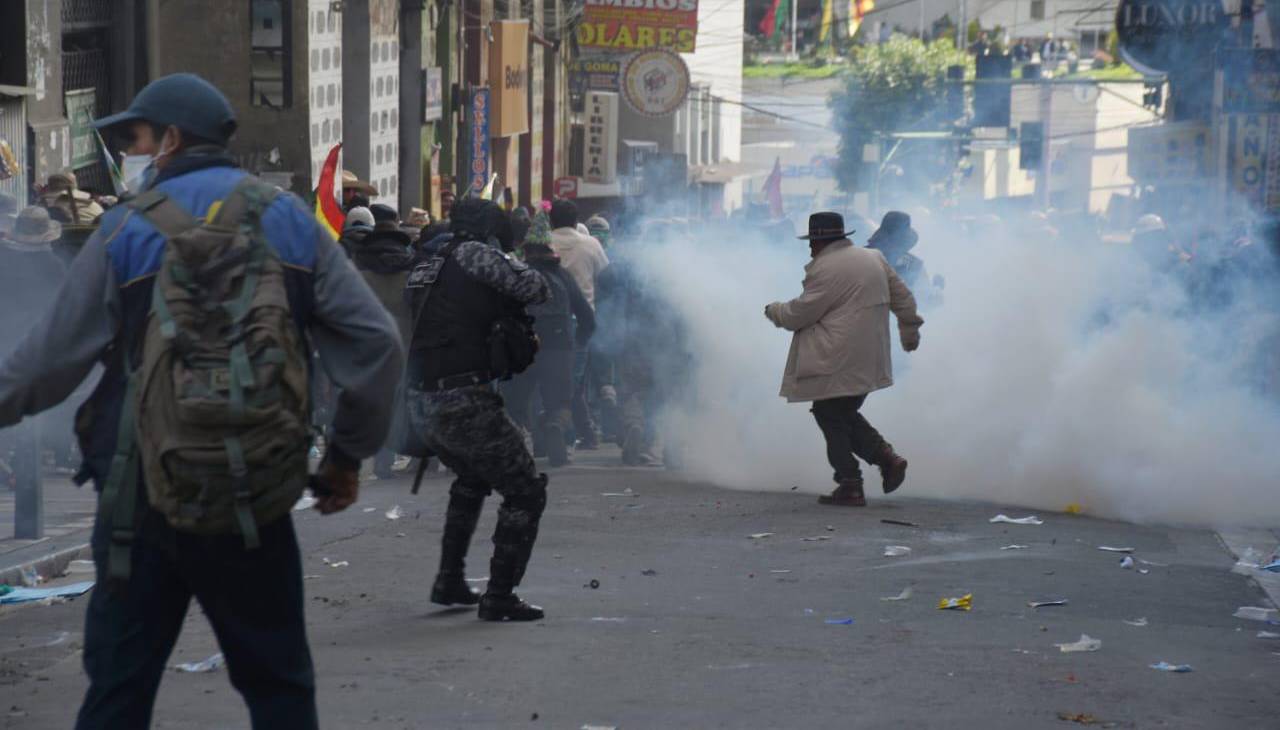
(1239, 540)
(48, 566)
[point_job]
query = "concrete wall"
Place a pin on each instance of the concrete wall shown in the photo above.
(51, 152)
(214, 41)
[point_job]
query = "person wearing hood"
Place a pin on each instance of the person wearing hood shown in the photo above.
(840, 351)
(551, 374)
(384, 257)
(359, 223)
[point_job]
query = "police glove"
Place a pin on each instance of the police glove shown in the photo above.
(338, 483)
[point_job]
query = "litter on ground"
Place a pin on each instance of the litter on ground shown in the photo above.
(1042, 604)
(779, 572)
(903, 523)
(1268, 635)
(335, 564)
(1110, 549)
(394, 513)
(896, 551)
(1084, 643)
(1127, 563)
(212, 664)
(1176, 668)
(1028, 520)
(963, 603)
(1137, 621)
(904, 595)
(1256, 613)
(759, 535)
(1015, 547)
(306, 501)
(815, 538)
(25, 595)
(840, 621)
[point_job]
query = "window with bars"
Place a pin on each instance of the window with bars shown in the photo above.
(270, 75)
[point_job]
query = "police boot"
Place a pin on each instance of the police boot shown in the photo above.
(450, 587)
(513, 540)
(848, 493)
(893, 469)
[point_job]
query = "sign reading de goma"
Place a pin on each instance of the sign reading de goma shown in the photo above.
(631, 25)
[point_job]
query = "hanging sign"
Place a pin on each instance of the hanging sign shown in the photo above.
(1168, 36)
(655, 83)
(478, 169)
(630, 25)
(509, 77)
(602, 137)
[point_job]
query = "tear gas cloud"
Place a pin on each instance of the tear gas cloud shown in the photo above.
(1052, 373)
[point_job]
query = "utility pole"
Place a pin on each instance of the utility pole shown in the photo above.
(1043, 196)
(962, 31)
(795, 50)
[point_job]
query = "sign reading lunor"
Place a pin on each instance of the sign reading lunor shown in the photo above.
(1165, 36)
(629, 25)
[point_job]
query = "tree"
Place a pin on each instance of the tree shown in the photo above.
(896, 86)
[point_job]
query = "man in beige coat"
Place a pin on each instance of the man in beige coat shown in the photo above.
(840, 351)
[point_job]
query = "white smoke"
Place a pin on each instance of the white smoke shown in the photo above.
(1052, 374)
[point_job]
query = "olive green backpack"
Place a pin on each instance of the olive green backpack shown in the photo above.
(216, 416)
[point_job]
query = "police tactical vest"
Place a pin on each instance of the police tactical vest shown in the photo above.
(451, 335)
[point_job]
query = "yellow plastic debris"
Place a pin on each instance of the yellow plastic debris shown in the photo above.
(963, 603)
(1074, 509)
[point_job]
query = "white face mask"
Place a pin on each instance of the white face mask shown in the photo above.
(135, 171)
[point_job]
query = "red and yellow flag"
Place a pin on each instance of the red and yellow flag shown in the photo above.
(328, 212)
(858, 9)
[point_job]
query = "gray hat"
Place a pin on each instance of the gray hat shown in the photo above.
(34, 227)
(359, 216)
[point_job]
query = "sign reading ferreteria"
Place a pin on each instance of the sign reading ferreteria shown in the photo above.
(655, 83)
(1167, 36)
(509, 77)
(632, 25)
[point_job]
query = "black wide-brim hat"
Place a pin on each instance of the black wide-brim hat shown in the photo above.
(825, 226)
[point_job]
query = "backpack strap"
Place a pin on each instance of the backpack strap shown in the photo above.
(120, 493)
(162, 212)
(246, 202)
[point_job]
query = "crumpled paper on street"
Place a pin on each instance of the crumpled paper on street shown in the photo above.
(1028, 520)
(963, 603)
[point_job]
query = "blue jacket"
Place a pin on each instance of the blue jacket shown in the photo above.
(102, 309)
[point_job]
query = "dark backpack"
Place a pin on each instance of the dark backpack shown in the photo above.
(216, 415)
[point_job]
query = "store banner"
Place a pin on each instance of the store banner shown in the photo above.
(633, 25)
(478, 130)
(601, 158)
(1255, 159)
(432, 94)
(80, 108)
(509, 77)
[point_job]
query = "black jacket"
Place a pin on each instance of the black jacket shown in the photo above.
(554, 318)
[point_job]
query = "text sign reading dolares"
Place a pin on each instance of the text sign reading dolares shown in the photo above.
(630, 25)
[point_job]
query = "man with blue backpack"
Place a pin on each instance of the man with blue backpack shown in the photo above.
(203, 296)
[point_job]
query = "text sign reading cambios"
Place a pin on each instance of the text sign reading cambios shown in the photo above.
(633, 25)
(1168, 36)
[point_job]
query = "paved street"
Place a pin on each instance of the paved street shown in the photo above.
(696, 624)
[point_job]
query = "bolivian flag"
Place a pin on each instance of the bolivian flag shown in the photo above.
(328, 212)
(858, 9)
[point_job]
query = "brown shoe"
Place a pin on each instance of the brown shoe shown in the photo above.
(848, 493)
(893, 469)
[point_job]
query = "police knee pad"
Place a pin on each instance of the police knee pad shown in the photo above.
(533, 499)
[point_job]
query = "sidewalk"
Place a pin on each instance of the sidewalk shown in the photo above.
(68, 521)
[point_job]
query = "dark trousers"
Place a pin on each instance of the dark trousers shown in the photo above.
(584, 427)
(848, 435)
(551, 376)
(253, 599)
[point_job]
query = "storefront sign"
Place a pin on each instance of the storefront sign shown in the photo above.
(84, 146)
(1250, 81)
(655, 83)
(601, 158)
(592, 74)
(432, 94)
(630, 25)
(566, 187)
(478, 129)
(1169, 152)
(509, 77)
(1167, 36)
(1255, 159)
